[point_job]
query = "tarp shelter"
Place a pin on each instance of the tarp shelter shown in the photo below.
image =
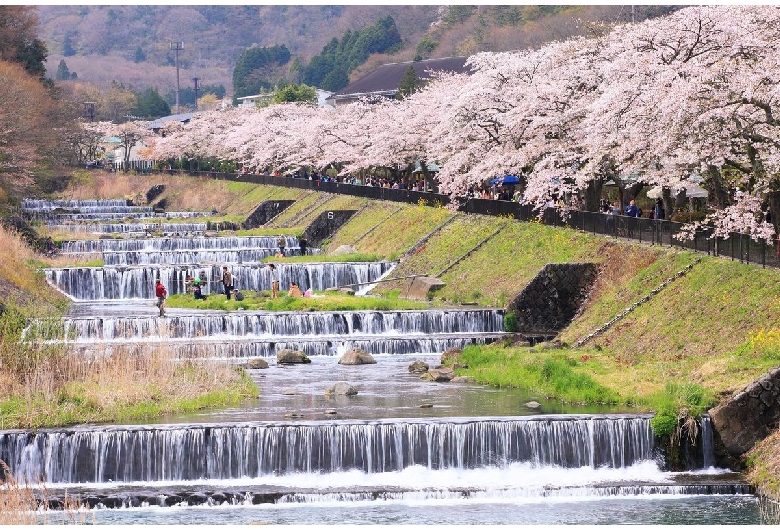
(432, 168)
(692, 191)
(506, 179)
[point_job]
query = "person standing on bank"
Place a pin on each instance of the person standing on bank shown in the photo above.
(274, 280)
(227, 282)
(303, 243)
(282, 243)
(161, 294)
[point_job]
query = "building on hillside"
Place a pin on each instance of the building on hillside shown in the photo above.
(159, 123)
(136, 162)
(322, 99)
(263, 99)
(384, 80)
(256, 100)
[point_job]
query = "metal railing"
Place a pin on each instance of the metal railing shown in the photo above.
(738, 247)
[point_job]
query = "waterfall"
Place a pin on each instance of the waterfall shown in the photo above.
(409, 325)
(129, 228)
(246, 347)
(224, 451)
(117, 283)
(707, 442)
(172, 244)
(34, 205)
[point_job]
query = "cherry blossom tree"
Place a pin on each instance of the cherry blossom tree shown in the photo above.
(642, 104)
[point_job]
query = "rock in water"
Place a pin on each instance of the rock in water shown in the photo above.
(341, 389)
(418, 367)
(357, 356)
(288, 356)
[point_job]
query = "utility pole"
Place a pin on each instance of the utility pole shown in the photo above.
(89, 111)
(195, 80)
(177, 47)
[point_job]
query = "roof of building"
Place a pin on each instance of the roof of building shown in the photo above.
(160, 122)
(386, 78)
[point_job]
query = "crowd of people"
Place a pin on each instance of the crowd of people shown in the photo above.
(195, 285)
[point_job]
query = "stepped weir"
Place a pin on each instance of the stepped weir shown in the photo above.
(175, 453)
(437, 451)
(137, 282)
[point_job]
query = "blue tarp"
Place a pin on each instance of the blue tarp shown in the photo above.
(506, 179)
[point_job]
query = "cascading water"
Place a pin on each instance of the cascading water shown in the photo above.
(245, 324)
(183, 250)
(130, 228)
(176, 453)
(124, 283)
(170, 244)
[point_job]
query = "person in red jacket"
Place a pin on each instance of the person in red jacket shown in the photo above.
(161, 293)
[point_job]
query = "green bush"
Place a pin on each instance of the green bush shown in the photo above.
(510, 322)
(664, 424)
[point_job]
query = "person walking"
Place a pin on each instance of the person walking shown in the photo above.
(282, 242)
(274, 280)
(303, 243)
(161, 294)
(227, 281)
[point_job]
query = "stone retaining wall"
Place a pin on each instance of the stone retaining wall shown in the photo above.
(745, 419)
(553, 297)
(264, 212)
(325, 225)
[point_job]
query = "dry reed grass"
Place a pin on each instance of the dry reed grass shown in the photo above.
(23, 504)
(16, 254)
(57, 384)
(182, 193)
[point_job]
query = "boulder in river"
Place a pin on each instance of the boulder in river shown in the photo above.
(357, 356)
(418, 367)
(341, 389)
(288, 356)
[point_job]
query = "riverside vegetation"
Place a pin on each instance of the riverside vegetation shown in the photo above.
(707, 335)
(44, 385)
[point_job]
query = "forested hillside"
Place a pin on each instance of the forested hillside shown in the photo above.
(131, 44)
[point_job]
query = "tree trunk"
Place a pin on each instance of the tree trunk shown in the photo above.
(666, 193)
(773, 197)
(718, 194)
(593, 195)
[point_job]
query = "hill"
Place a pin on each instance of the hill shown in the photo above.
(131, 44)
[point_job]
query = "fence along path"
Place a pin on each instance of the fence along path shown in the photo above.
(739, 247)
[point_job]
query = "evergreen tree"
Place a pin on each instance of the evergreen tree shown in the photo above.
(292, 92)
(330, 69)
(409, 84)
(140, 56)
(255, 67)
(67, 45)
(335, 80)
(63, 73)
(32, 57)
(150, 105)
